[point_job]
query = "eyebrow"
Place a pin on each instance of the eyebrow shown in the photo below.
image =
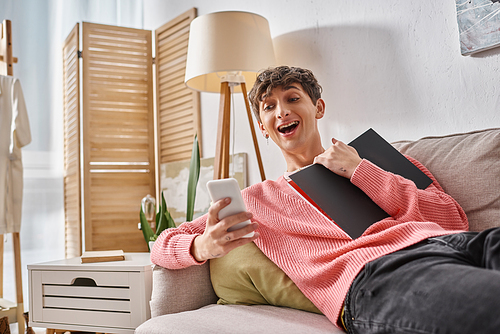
(265, 96)
(290, 87)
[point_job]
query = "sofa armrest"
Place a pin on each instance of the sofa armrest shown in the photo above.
(181, 290)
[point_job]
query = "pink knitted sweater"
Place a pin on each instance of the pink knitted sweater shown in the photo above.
(317, 255)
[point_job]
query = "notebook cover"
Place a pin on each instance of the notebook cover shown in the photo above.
(347, 205)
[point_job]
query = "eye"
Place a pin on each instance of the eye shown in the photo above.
(268, 107)
(293, 99)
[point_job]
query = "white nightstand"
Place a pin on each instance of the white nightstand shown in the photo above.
(105, 297)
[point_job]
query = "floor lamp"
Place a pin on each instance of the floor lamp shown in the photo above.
(226, 50)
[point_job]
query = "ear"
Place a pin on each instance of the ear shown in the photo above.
(320, 108)
(261, 127)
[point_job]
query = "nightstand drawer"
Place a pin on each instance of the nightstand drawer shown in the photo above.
(90, 299)
(90, 304)
(85, 291)
(85, 298)
(87, 277)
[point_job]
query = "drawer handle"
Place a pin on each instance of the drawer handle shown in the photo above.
(84, 281)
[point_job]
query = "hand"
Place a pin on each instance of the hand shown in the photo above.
(216, 241)
(340, 158)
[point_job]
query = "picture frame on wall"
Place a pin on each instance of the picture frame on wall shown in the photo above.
(174, 180)
(478, 24)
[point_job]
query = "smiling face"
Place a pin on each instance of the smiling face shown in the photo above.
(289, 117)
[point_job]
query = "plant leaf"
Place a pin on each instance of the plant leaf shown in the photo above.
(162, 222)
(157, 219)
(147, 232)
(194, 174)
(170, 220)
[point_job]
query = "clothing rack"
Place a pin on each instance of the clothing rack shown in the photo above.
(12, 310)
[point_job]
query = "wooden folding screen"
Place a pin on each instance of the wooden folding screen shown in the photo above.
(71, 106)
(117, 128)
(178, 106)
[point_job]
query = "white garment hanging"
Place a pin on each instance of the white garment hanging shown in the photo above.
(14, 134)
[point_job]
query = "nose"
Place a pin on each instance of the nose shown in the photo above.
(282, 112)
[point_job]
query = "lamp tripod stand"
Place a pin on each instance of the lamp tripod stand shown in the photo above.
(221, 163)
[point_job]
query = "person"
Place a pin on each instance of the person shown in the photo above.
(418, 271)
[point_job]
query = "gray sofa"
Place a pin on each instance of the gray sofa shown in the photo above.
(467, 165)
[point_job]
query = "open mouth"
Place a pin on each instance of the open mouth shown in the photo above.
(287, 128)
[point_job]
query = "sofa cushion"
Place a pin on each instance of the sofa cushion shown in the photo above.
(256, 319)
(181, 289)
(246, 276)
(467, 166)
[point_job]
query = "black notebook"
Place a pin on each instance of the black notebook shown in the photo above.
(347, 205)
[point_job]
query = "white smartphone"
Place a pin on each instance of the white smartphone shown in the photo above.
(219, 189)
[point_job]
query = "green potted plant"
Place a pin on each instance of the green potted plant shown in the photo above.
(163, 218)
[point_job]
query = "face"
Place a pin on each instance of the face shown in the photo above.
(289, 117)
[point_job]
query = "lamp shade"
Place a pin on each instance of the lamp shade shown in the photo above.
(233, 45)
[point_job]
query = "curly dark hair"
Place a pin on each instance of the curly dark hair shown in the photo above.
(273, 77)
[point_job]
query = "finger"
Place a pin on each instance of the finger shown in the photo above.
(240, 242)
(213, 211)
(242, 232)
(321, 157)
(318, 159)
(230, 221)
(334, 141)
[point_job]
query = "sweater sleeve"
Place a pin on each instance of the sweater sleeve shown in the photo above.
(172, 248)
(404, 202)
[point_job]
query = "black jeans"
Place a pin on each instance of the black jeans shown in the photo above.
(448, 284)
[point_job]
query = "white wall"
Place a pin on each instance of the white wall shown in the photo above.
(388, 64)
